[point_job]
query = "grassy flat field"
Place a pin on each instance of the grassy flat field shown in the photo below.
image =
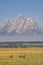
(21, 56)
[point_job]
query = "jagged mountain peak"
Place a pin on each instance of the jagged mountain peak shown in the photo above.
(29, 18)
(6, 22)
(20, 15)
(20, 25)
(31, 23)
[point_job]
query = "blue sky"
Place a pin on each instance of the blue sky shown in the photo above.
(10, 9)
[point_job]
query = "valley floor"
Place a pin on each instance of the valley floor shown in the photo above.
(21, 56)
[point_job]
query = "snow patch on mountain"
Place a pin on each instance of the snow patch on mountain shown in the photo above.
(21, 25)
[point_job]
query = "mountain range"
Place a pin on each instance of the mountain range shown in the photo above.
(21, 26)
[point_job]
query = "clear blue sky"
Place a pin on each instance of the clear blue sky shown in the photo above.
(10, 9)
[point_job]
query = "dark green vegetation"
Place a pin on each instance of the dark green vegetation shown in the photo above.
(21, 44)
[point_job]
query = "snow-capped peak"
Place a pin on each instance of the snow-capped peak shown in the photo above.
(20, 16)
(4, 26)
(6, 22)
(29, 18)
(20, 25)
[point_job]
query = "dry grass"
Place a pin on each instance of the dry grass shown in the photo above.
(7, 51)
(11, 56)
